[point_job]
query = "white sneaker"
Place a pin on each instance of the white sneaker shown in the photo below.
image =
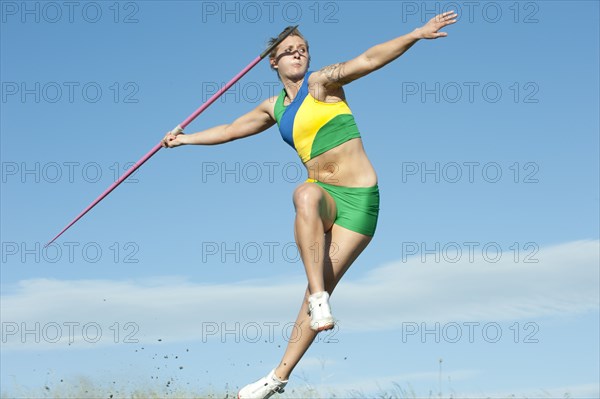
(320, 312)
(263, 388)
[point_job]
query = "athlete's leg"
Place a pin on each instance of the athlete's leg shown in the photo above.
(343, 247)
(315, 214)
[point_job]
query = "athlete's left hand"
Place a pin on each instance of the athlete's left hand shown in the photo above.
(431, 29)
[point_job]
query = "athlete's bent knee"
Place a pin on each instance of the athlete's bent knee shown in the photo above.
(307, 198)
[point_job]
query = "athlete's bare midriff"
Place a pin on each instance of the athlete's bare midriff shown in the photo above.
(345, 165)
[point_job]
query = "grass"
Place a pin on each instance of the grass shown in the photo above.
(84, 388)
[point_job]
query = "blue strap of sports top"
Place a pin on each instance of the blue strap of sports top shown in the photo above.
(286, 125)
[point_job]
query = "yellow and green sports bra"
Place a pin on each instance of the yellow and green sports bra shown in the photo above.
(312, 127)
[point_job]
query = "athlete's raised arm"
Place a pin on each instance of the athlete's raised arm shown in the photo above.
(382, 54)
(256, 121)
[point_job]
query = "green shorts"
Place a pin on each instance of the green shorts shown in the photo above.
(357, 207)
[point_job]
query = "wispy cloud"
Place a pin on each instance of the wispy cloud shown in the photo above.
(563, 281)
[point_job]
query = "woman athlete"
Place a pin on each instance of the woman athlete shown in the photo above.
(337, 207)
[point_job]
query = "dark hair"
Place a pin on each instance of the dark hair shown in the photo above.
(295, 32)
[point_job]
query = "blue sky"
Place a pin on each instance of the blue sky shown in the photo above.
(185, 279)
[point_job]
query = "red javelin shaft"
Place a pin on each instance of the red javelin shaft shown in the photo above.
(179, 127)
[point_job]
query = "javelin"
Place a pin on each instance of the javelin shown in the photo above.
(179, 128)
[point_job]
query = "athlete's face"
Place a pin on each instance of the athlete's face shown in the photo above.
(291, 59)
